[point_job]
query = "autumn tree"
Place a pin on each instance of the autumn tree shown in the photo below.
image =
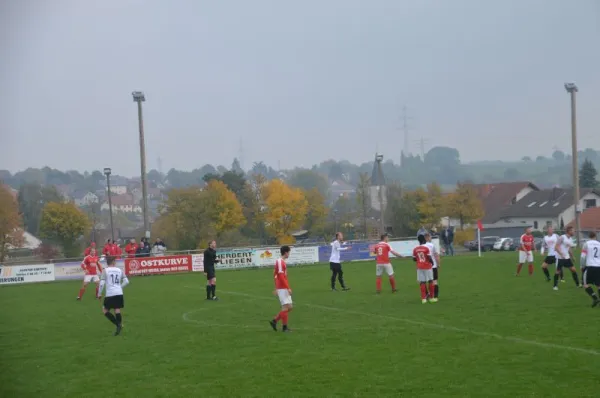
(464, 205)
(64, 224)
(11, 234)
(317, 212)
(31, 199)
(363, 199)
(192, 216)
(285, 210)
(430, 205)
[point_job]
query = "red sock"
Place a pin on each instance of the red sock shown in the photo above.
(393, 282)
(279, 316)
(519, 266)
(431, 289)
(284, 317)
(378, 283)
(530, 269)
(423, 291)
(97, 288)
(81, 291)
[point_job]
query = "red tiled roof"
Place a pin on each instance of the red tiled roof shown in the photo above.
(122, 200)
(589, 220)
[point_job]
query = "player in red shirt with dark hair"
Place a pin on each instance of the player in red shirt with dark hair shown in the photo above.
(422, 256)
(91, 266)
(526, 251)
(282, 290)
(382, 258)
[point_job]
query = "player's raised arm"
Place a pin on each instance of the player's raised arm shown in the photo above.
(395, 253)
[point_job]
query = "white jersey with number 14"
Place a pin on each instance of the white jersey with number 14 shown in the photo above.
(115, 281)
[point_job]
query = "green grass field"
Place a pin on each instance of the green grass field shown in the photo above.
(491, 335)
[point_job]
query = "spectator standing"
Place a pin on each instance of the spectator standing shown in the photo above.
(421, 232)
(143, 250)
(448, 240)
(107, 249)
(131, 248)
(159, 248)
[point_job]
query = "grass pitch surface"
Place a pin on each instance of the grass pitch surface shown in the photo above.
(490, 335)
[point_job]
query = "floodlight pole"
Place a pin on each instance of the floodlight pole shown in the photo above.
(379, 159)
(139, 97)
(107, 172)
(572, 90)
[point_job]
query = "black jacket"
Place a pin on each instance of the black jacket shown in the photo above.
(210, 258)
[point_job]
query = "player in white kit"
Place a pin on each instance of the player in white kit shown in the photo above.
(435, 256)
(590, 263)
(115, 280)
(549, 243)
(564, 254)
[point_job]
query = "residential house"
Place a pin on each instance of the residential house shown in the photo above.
(84, 198)
(589, 220)
(118, 185)
(29, 242)
(339, 188)
(540, 209)
(122, 203)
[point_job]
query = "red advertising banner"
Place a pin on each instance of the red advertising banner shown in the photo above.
(158, 265)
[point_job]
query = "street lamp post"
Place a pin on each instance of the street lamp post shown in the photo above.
(572, 90)
(139, 97)
(379, 159)
(107, 173)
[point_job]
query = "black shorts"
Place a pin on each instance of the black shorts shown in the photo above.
(336, 267)
(550, 260)
(112, 302)
(210, 274)
(591, 276)
(435, 274)
(564, 263)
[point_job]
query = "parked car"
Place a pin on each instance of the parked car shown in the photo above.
(504, 244)
(487, 244)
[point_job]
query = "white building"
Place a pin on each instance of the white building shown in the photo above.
(82, 198)
(122, 203)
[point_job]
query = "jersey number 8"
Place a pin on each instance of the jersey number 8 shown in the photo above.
(379, 251)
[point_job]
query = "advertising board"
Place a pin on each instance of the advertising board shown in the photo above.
(26, 273)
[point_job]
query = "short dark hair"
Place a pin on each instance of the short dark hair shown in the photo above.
(421, 239)
(337, 235)
(569, 228)
(284, 249)
(110, 260)
(383, 236)
(592, 235)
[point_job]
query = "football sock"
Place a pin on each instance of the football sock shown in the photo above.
(213, 290)
(97, 288)
(393, 282)
(279, 316)
(436, 291)
(284, 318)
(378, 283)
(119, 318)
(423, 291)
(589, 290)
(519, 266)
(81, 291)
(111, 318)
(208, 291)
(333, 279)
(547, 273)
(575, 277)
(562, 275)
(556, 280)
(431, 290)
(530, 269)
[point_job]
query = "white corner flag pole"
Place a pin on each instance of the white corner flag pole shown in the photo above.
(479, 241)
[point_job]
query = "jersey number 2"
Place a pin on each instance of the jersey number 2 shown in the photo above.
(595, 252)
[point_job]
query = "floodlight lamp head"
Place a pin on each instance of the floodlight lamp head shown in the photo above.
(107, 171)
(571, 87)
(379, 158)
(138, 96)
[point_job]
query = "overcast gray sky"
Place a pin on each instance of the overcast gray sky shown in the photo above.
(298, 81)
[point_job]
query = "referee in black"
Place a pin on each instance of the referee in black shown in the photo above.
(210, 259)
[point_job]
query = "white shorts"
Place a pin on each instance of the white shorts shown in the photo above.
(525, 257)
(381, 267)
(424, 275)
(284, 296)
(91, 278)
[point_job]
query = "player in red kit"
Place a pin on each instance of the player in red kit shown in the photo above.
(382, 258)
(422, 256)
(282, 290)
(91, 266)
(526, 251)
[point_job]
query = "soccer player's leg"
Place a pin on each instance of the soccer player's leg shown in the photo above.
(422, 279)
(285, 299)
(341, 278)
(574, 273)
(557, 273)
(436, 287)
(431, 285)
(106, 307)
(390, 272)
(96, 280)
(545, 269)
(334, 274)
(213, 287)
(589, 278)
(378, 273)
(530, 260)
(86, 281)
(522, 259)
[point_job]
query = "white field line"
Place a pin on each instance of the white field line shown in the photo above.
(436, 326)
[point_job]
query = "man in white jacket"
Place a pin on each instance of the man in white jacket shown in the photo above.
(335, 263)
